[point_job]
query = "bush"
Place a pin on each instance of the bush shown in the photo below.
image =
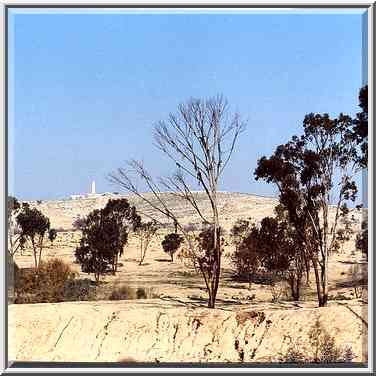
(79, 223)
(79, 290)
(294, 354)
(55, 282)
(278, 291)
(122, 293)
(131, 293)
(323, 349)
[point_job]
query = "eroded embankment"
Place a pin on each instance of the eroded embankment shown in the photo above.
(151, 331)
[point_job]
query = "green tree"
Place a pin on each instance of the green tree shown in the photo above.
(52, 234)
(104, 235)
(34, 226)
(305, 171)
(145, 232)
(15, 240)
(171, 244)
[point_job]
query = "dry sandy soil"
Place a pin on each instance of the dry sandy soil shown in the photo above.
(173, 325)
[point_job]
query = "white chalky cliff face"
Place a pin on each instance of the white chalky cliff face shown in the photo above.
(147, 332)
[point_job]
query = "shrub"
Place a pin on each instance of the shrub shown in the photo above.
(51, 279)
(278, 291)
(79, 290)
(294, 354)
(131, 293)
(52, 284)
(323, 349)
(122, 293)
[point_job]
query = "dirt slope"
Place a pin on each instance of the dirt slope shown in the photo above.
(145, 332)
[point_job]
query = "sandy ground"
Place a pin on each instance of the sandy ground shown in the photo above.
(179, 295)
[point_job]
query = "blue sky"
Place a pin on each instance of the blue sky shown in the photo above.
(86, 89)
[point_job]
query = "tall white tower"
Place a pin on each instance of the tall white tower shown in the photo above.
(93, 187)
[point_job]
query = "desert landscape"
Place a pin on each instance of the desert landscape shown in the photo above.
(164, 317)
(187, 187)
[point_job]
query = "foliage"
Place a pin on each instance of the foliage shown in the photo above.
(305, 170)
(79, 223)
(49, 286)
(360, 127)
(52, 234)
(171, 244)
(79, 290)
(272, 245)
(323, 345)
(245, 258)
(323, 349)
(131, 293)
(361, 241)
(206, 248)
(104, 236)
(145, 232)
(15, 240)
(126, 219)
(34, 225)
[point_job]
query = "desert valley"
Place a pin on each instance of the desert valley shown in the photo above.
(157, 312)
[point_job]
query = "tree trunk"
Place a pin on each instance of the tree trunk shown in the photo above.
(97, 275)
(211, 302)
(141, 253)
(322, 294)
(307, 269)
(216, 264)
(35, 254)
(116, 261)
(172, 257)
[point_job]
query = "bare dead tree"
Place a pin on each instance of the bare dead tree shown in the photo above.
(200, 139)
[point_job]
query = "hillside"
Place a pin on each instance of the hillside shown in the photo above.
(169, 321)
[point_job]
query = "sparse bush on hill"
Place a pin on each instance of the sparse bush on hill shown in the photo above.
(323, 349)
(171, 244)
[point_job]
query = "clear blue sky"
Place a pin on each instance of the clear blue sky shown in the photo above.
(86, 89)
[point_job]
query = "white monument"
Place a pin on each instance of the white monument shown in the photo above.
(91, 194)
